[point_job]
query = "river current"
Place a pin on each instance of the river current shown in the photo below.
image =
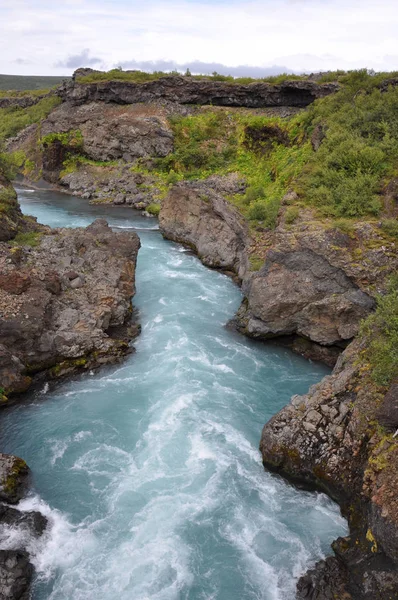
(149, 472)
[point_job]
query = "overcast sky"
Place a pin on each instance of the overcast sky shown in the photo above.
(46, 37)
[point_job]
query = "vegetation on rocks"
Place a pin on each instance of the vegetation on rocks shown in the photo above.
(381, 329)
(15, 118)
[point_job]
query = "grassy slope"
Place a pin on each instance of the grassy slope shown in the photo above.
(27, 82)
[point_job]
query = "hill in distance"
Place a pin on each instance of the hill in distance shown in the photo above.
(28, 82)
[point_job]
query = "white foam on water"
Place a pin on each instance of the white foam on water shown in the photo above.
(155, 462)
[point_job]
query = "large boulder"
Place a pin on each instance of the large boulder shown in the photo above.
(196, 214)
(64, 297)
(14, 473)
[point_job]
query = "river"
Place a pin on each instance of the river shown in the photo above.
(149, 471)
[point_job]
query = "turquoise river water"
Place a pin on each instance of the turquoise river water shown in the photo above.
(149, 472)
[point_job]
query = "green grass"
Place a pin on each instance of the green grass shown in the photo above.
(390, 227)
(268, 151)
(143, 77)
(381, 331)
(14, 119)
(31, 238)
(29, 83)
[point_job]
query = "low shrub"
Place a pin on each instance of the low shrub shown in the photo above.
(381, 331)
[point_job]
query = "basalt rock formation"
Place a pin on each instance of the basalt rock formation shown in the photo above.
(308, 284)
(61, 300)
(188, 90)
(331, 439)
(196, 214)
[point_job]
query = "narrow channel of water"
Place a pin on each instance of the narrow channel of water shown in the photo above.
(150, 471)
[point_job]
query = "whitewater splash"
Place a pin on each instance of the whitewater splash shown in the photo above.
(149, 473)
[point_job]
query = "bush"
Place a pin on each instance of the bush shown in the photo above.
(390, 226)
(291, 214)
(381, 330)
(265, 211)
(153, 209)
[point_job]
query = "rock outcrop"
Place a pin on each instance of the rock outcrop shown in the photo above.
(309, 283)
(196, 214)
(188, 90)
(63, 294)
(114, 132)
(331, 439)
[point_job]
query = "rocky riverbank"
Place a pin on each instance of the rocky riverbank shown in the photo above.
(65, 307)
(302, 282)
(339, 437)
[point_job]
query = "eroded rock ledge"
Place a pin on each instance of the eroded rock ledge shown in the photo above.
(302, 283)
(331, 439)
(187, 90)
(63, 294)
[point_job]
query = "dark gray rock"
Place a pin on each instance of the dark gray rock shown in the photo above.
(187, 90)
(14, 474)
(16, 574)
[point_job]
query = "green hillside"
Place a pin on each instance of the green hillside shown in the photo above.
(27, 82)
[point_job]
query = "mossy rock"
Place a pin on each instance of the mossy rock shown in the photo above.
(13, 478)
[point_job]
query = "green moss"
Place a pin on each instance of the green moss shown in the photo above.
(255, 263)
(153, 209)
(390, 227)
(10, 484)
(14, 119)
(31, 238)
(72, 138)
(291, 214)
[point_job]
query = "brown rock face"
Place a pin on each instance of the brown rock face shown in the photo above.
(197, 215)
(328, 439)
(111, 132)
(187, 90)
(61, 300)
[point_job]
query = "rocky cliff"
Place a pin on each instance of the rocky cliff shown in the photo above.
(188, 90)
(302, 280)
(340, 438)
(65, 294)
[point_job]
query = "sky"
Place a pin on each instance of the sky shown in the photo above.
(237, 37)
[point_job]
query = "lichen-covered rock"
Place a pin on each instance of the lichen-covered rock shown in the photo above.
(331, 439)
(61, 297)
(197, 215)
(14, 473)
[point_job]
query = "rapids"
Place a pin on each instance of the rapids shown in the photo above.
(150, 472)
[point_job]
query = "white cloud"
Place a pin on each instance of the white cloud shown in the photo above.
(302, 35)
